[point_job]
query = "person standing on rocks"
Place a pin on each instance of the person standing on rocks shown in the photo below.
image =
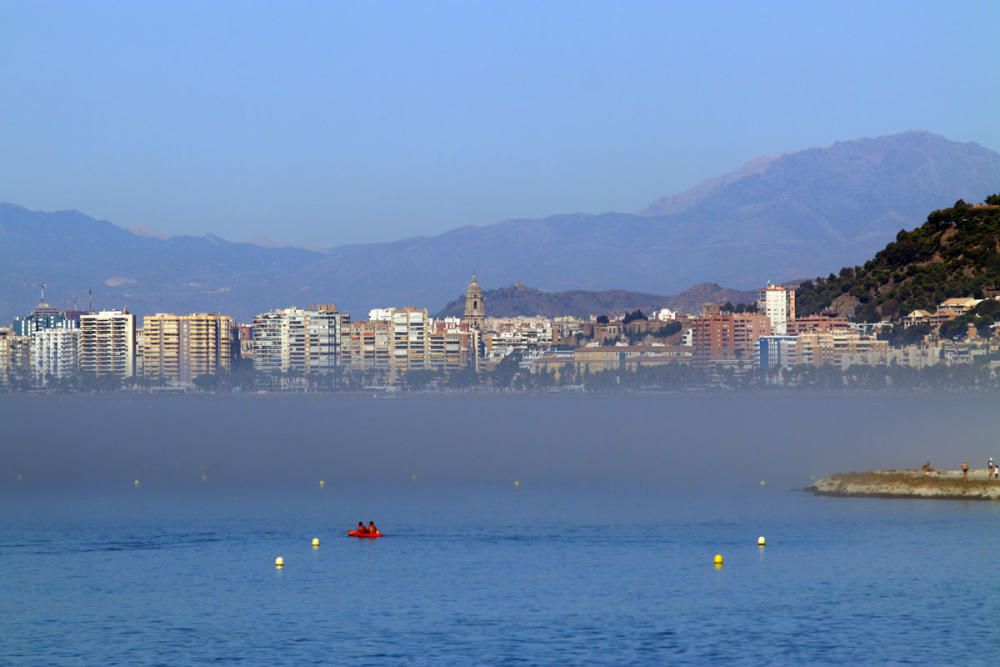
(965, 470)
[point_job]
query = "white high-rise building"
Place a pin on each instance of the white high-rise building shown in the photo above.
(295, 340)
(409, 339)
(55, 354)
(778, 303)
(107, 343)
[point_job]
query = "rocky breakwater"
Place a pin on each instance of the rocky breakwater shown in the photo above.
(944, 484)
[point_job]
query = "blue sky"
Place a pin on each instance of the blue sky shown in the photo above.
(323, 123)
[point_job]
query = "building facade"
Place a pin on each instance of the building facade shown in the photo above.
(296, 340)
(15, 359)
(107, 344)
(178, 348)
(55, 354)
(778, 303)
(776, 352)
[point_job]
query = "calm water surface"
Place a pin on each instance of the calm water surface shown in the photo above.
(568, 568)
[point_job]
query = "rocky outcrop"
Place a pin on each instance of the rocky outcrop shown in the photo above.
(944, 484)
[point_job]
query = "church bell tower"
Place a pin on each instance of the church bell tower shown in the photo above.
(475, 309)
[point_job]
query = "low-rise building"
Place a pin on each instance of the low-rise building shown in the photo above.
(840, 348)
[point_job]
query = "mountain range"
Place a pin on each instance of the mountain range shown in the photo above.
(789, 216)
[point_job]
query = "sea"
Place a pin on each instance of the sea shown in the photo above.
(521, 529)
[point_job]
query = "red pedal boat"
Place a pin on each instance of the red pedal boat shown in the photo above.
(366, 534)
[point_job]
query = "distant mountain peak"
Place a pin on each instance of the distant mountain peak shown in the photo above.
(868, 151)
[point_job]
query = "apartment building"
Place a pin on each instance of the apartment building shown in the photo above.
(776, 352)
(840, 348)
(778, 304)
(367, 346)
(54, 353)
(296, 340)
(410, 344)
(719, 336)
(15, 360)
(178, 348)
(107, 343)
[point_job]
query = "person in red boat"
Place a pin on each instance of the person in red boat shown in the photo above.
(372, 530)
(361, 528)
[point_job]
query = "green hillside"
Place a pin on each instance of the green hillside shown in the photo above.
(955, 253)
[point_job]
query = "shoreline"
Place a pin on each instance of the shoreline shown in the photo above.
(911, 483)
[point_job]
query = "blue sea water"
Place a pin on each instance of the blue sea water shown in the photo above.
(500, 575)
(573, 568)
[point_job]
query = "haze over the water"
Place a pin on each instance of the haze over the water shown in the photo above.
(706, 442)
(330, 123)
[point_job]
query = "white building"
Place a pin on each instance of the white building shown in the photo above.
(55, 354)
(409, 339)
(107, 343)
(380, 314)
(778, 303)
(295, 340)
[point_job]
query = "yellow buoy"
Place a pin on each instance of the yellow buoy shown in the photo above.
(279, 562)
(717, 560)
(517, 482)
(761, 541)
(315, 543)
(322, 483)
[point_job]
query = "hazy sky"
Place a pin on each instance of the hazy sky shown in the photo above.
(323, 123)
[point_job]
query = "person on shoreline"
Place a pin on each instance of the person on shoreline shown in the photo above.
(965, 470)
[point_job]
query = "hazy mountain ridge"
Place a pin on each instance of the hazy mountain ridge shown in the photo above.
(798, 214)
(519, 299)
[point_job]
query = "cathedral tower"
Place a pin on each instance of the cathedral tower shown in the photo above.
(475, 309)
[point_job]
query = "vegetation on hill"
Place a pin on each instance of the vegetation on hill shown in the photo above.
(956, 253)
(520, 299)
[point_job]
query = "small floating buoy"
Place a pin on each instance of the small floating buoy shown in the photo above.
(763, 483)
(135, 483)
(279, 562)
(517, 483)
(19, 477)
(413, 477)
(761, 541)
(717, 560)
(315, 543)
(204, 477)
(322, 483)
